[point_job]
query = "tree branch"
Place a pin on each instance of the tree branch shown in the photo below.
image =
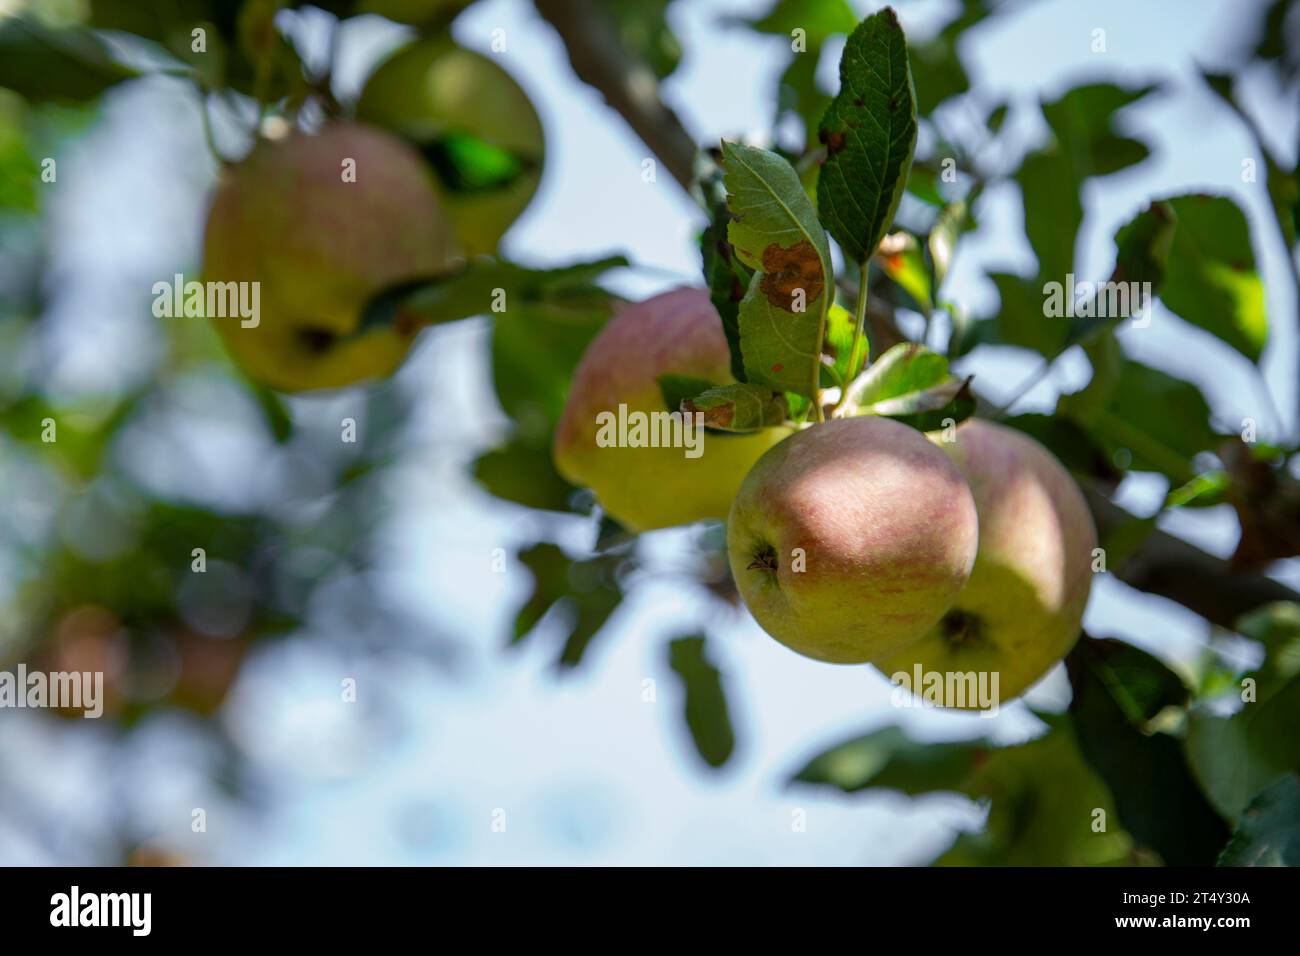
(1174, 569)
(629, 86)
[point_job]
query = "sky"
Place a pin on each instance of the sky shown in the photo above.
(584, 768)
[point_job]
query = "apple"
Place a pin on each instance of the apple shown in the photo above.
(851, 539)
(1021, 610)
(319, 246)
(475, 125)
(680, 333)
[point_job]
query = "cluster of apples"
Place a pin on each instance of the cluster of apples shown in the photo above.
(434, 178)
(854, 540)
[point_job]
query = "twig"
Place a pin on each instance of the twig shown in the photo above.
(628, 84)
(859, 325)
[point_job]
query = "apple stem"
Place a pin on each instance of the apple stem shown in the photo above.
(859, 325)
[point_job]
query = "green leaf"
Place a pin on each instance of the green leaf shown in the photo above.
(549, 567)
(818, 19)
(20, 173)
(612, 536)
(705, 708)
(1050, 184)
(1050, 181)
(726, 276)
(906, 368)
(1269, 832)
(1277, 627)
(592, 610)
(534, 354)
(739, 408)
(889, 759)
(1142, 245)
(1283, 184)
(1083, 121)
(274, 410)
(1236, 757)
(1272, 623)
(1161, 421)
(799, 95)
(996, 118)
(870, 136)
(583, 593)
(486, 286)
(1211, 280)
(1204, 491)
(942, 406)
(941, 243)
(911, 384)
(1043, 800)
(845, 361)
(1020, 319)
(68, 64)
(775, 232)
(1118, 692)
(677, 389)
(1042, 795)
(644, 34)
(243, 49)
(1142, 248)
(902, 260)
(1068, 442)
(524, 472)
(923, 184)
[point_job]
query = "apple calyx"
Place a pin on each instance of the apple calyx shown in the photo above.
(764, 560)
(962, 629)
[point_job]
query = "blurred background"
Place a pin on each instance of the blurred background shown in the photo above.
(521, 682)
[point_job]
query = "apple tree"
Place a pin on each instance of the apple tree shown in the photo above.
(824, 293)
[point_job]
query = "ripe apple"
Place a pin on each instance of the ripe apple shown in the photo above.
(473, 123)
(680, 333)
(849, 540)
(1021, 610)
(320, 246)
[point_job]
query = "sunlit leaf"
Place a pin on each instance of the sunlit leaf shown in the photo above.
(776, 233)
(870, 134)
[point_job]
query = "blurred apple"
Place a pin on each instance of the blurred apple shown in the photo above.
(677, 333)
(320, 246)
(88, 640)
(474, 125)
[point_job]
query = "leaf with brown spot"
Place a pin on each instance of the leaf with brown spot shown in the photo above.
(739, 408)
(789, 271)
(774, 231)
